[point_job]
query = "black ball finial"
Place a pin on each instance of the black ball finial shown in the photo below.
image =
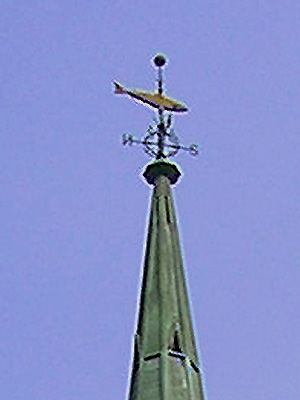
(159, 60)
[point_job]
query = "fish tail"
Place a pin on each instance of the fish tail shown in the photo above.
(119, 89)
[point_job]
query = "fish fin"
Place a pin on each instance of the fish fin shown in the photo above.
(119, 89)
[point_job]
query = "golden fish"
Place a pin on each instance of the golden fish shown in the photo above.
(156, 100)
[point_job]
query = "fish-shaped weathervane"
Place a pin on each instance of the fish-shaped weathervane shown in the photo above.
(154, 99)
(160, 140)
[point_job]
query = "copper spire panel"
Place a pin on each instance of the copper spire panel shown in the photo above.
(166, 365)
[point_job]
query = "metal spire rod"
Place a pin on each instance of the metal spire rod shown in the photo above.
(160, 61)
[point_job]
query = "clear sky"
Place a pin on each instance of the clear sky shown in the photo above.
(74, 209)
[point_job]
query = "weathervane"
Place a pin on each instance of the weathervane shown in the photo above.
(160, 140)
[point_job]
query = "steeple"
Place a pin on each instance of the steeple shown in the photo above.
(165, 363)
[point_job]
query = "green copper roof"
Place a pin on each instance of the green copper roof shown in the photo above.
(165, 362)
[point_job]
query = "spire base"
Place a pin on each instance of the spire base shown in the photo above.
(161, 168)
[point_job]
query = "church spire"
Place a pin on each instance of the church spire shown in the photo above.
(165, 364)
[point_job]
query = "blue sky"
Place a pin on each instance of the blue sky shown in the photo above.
(74, 208)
